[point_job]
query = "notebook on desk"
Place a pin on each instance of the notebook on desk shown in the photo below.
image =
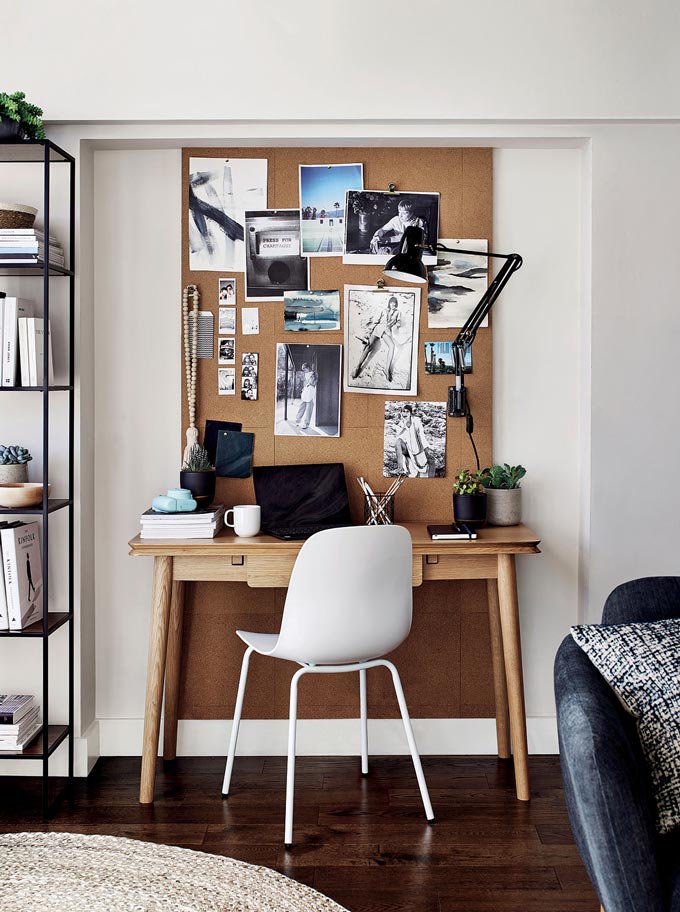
(298, 500)
(452, 532)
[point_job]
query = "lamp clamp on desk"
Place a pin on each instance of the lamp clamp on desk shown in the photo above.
(408, 266)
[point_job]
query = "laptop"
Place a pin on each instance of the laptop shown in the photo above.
(298, 500)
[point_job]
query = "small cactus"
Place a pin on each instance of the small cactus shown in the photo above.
(14, 455)
(198, 461)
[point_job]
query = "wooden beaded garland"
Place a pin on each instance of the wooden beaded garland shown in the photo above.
(190, 363)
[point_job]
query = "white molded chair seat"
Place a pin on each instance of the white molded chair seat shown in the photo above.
(349, 603)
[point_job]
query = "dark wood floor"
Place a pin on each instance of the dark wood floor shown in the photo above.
(363, 842)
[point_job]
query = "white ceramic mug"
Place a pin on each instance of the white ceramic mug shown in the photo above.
(246, 520)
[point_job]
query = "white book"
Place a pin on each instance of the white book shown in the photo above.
(14, 308)
(14, 744)
(18, 729)
(36, 348)
(24, 363)
(173, 535)
(22, 565)
(4, 614)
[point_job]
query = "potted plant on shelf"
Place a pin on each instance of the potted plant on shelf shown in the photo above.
(19, 119)
(198, 476)
(469, 499)
(14, 464)
(504, 495)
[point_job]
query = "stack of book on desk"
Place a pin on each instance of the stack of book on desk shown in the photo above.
(19, 722)
(205, 523)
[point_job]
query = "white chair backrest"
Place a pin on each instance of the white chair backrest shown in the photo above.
(349, 597)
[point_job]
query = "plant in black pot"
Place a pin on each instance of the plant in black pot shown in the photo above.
(198, 476)
(469, 499)
(19, 119)
(504, 495)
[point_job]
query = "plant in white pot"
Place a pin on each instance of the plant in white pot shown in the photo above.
(504, 495)
(14, 464)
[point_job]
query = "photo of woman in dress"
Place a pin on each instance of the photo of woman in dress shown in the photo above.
(380, 338)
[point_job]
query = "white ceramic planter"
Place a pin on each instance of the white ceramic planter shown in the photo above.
(13, 474)
(503, 507)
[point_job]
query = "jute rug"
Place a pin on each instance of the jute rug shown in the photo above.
(63, 872)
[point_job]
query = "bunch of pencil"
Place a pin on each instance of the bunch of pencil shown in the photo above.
(379, 512)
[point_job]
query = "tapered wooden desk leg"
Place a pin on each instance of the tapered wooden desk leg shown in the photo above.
(512, 651)
(173, 666)
(155, 673)
(499, 685)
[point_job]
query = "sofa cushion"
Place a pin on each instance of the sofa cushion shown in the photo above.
(641, 662)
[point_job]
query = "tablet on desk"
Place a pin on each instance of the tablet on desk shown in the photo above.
(452, 532)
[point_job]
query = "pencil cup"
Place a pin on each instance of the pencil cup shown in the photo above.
(379, 509)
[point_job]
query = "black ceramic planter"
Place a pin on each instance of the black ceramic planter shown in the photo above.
(201, 485)
(10, 131)
(470, 509)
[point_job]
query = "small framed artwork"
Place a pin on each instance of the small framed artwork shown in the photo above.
(227, 320)
(226, 381)
(227, 290)
(227, 351)
(249, 375)
(439, 358)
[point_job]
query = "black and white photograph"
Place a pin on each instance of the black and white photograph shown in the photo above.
(226, 381)
(220, 190)
(227, 351)
(415, 439)
(227, 291)
(308, 379)
(381, 339)
(273, 261)
(250, 321)
(377, 219)
(456, 284)
(322, 206)
(439, 358)
(311, 311)
(249, 375)
(227, 320)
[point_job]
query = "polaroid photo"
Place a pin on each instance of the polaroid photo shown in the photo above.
(415, 439)
(249, 375)
(381, 340)
(311, 311)
(227, 291)
(226, 381)
(308, 382)
(220, 190)
(377, 219)
(273, 261)
(226, 351)
(322, 206)
(227, 320)
(439, 358)
(456, 284)
(250, 321)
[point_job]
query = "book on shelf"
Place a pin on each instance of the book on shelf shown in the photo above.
(4, 613)
(14, 707)
(24, 725)
(452, 532)
(19, 743)
(13, 309)
(22, 566)
(32, 349)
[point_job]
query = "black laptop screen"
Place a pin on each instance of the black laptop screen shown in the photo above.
(302, 494)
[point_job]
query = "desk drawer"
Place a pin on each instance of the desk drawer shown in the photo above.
(218, 569)
(274, 570)
(463, 566)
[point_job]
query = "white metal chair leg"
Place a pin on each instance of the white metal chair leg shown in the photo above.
(420, 776)
(290, 773)
(364, 722)
(231, 753)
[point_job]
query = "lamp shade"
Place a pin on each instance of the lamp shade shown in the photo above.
(408, 265)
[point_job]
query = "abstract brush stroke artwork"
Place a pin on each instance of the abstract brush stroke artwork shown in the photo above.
(456, 284)
(220, 190)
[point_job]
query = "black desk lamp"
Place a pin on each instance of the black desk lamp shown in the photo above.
(408, 266)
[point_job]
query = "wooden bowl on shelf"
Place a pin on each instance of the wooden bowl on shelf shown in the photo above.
(16, 496)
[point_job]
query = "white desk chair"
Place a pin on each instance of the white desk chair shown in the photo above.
(349, 602)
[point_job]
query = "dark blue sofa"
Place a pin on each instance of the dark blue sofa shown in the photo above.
(606, 781)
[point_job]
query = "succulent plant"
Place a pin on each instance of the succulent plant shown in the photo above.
(15, 107)
(14, 455)
(466, 482)
(198, 461)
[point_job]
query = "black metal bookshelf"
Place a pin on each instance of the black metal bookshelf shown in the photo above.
(42, 747)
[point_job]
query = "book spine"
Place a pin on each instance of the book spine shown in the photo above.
(49, 354)
(39, 335)
(4, 613)
(9, 564)
(32, 361)
(23, 352)
(8, 340)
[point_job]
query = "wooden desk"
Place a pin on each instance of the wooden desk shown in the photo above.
(267, 562)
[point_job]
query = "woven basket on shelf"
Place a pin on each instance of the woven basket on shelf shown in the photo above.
(13, 215)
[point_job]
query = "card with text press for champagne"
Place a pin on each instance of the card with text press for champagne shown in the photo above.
(234, 457)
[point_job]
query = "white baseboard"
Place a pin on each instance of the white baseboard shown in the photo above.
(85, 754)
(321, 737)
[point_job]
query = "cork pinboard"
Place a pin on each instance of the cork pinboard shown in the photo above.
(445, 663)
